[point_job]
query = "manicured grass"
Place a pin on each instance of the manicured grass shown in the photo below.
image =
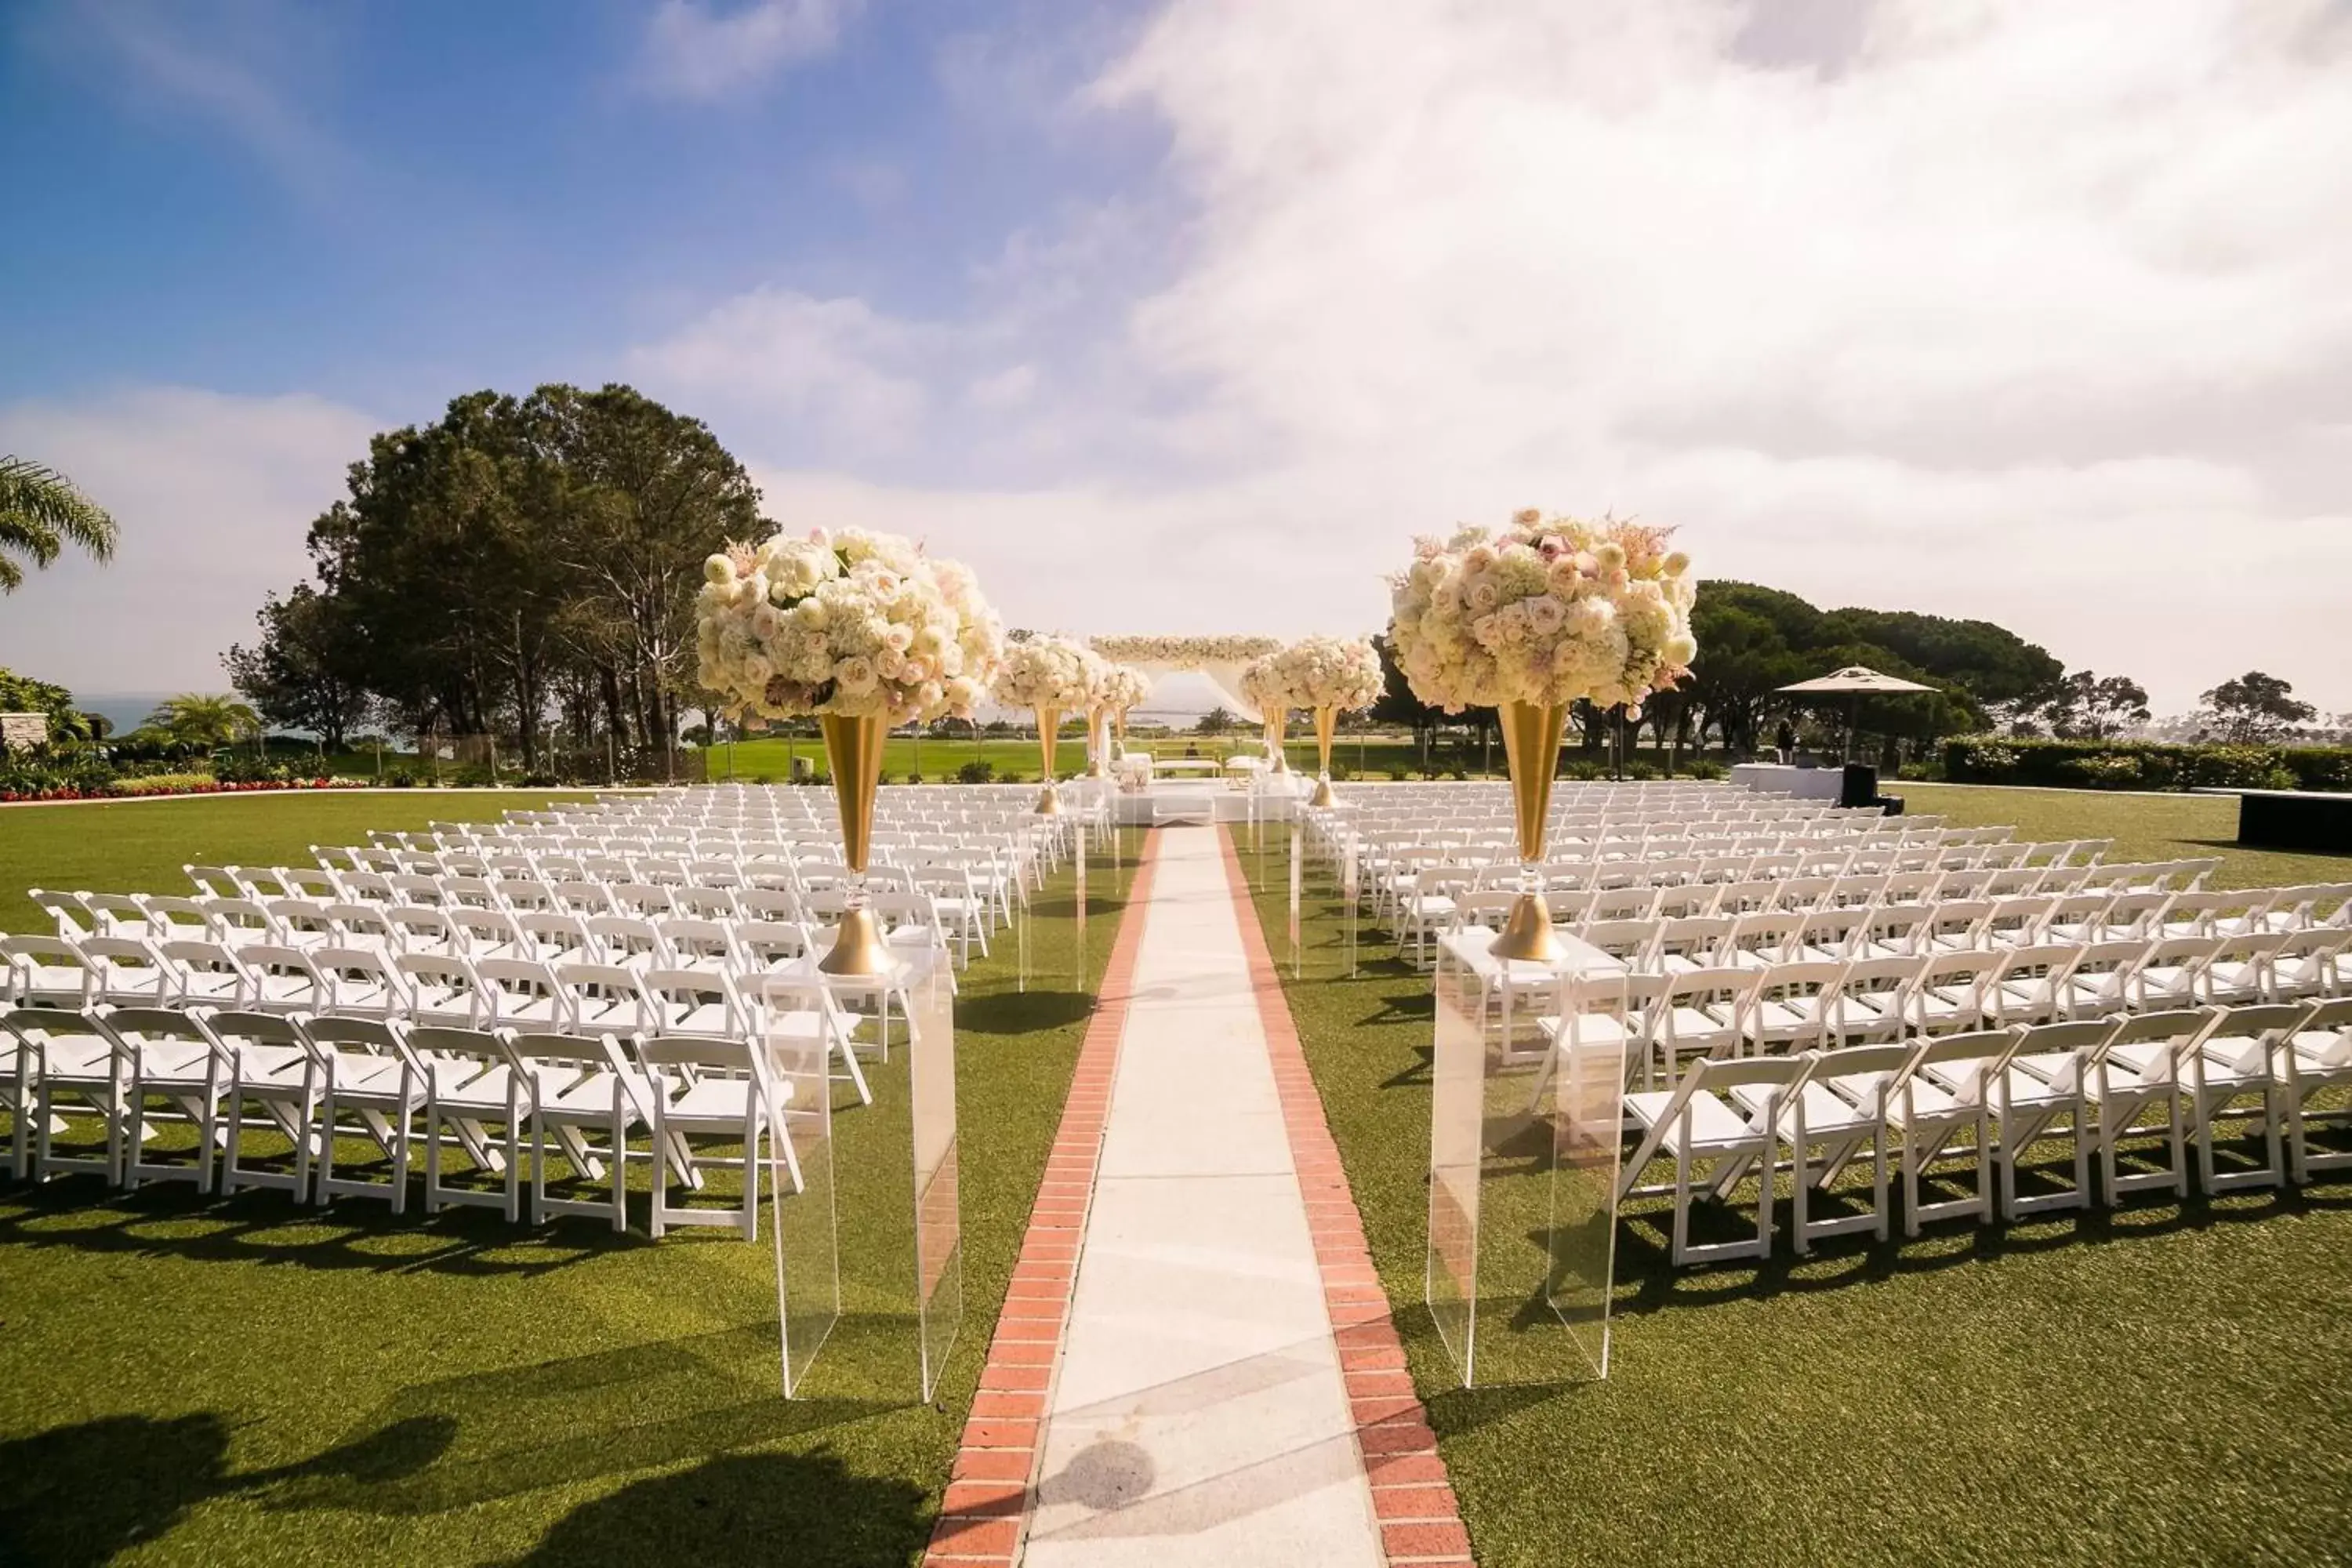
(2144, 827)
(190, 1380)
(2160, 1383)
(139, 847)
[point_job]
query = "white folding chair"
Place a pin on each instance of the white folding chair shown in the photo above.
(576, 1084)
(272, 1068)
(2043, 1085)
(174, 1056)
(2144, 1063)
(703, 1086)
(50, 972)
(2316, 1059)
(1948, 1092)
(1839, 1108)
(365, 1070)
(471, 1085)
(65, 1062)
(2241, 1060)
(1695, 1125)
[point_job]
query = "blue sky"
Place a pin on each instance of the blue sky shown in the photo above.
(395, 202)
(1185, 315)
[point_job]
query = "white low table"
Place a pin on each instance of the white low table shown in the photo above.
(1804, 783)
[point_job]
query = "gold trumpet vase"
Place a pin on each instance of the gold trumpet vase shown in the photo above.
(1327, 723)
(1119, 728)
(1049, 726)
(1278, 726)
(1532, 745)
(853, 746)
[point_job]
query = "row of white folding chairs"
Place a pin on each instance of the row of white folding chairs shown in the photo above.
(1990, 1095)
(498, 918)
(1668, 1019)
(1453, 897)
(500, 1096)
(1628, 924)
(1447, 896)
(758, 931)
(967, 910)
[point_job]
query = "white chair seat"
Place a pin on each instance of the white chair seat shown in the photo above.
(1713, 1123)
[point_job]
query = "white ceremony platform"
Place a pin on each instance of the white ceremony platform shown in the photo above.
(1802, 784)
(1204, 800)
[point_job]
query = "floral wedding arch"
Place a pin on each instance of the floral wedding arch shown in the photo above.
(1218, 659)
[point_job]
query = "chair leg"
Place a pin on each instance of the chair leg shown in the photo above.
(431, 1157)
(620, 1176)
(661, 1163)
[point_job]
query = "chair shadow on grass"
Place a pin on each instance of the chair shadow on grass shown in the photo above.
(265, 1227)
(1647, 1281)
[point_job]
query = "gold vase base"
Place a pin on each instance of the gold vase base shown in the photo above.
(858, 947)
(1526, 936)
(1323, 799)
(1049, 802)
(1094, 770)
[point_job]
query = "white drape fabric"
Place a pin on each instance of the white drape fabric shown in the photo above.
(1225, 674)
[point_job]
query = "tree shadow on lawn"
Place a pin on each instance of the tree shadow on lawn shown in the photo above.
(79, 1495)
(263, 1227)
(1022, 1012)
(796, 1508)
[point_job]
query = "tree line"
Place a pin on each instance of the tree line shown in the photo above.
(521, 567)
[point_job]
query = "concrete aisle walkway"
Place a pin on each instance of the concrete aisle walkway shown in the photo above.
(1199, 1415)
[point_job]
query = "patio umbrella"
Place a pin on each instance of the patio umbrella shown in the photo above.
(1856, 682)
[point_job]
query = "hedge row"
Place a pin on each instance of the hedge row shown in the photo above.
(2143, 765)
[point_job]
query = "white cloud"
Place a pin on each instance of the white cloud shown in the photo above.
(695, 50)
(2036, 312)
(213, 494)
(836, 368)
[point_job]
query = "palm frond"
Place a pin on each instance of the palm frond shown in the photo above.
(41, 511)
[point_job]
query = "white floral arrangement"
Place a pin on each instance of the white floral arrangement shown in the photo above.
(1047, 672)
(847, 623)
(1332, 672)
(1266, 685)
(1192, 651)
(1547, 612)
(1124, 688)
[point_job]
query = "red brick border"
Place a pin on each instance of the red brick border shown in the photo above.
(985, 1514)
(1411, 1494)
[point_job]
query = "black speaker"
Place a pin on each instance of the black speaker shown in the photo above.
(1860, 786)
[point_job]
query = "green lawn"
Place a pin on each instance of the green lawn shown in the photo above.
(2160, 1383)
(186, 1380)
(139, 847)
(2144, 827)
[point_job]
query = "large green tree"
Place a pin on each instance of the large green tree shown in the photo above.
(304, 672)
(2255, 708)
(41, 512)
(518, 560)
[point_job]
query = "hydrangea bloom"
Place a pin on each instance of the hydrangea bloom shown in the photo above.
(1546, 611)
(1330, 672)
(849, 622)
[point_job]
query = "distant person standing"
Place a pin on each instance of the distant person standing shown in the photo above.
(1785, 739)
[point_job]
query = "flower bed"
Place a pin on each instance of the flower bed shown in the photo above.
(160, 784)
